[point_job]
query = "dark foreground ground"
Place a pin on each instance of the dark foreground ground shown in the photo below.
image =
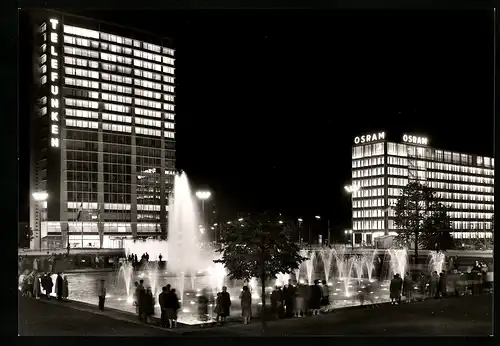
(447, 317)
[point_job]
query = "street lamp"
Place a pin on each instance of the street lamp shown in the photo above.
(203, 195)
(40, 197)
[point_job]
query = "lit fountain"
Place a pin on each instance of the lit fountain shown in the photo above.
(399, 261)
(370, 264)
(326, 256)
(126, 273)
(436, 261)
(340, 261)
(309, 263)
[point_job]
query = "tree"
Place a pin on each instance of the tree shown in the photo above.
(259, 246)
(25, 236)
(419, 217)
(436, 226)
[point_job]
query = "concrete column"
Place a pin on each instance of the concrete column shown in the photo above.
(100, 179)
(163, 200)
(133, 187)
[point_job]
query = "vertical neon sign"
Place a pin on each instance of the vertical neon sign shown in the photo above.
(54, 88)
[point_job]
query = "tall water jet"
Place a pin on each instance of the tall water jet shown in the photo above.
(370, 263)
(340, 261)
(310, 266)
(126, 272)
(326, 257)
(436, 261)
(398, 261)
(184, 252)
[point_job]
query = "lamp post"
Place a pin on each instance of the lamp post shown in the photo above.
(40, 197)
(203, 195)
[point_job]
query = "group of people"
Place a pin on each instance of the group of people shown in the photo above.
(436, 285)
(300, 300)
(144, 302)
(37, 284)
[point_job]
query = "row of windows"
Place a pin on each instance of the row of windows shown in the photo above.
(147, 103)
(459, 177)
(116, 49)
(368, 225)
(368, 193)
(117, 68)
(154, 76)
(147, 122)
(357, 214)
(116, 108)
(80, 62)
(397, 171)
(117, 128)
(465, 196)
(471, 225)
(81, 83)
(81, 103)
(116, 88)
(470, 215)
(81, 41)
(471, 235)
(81, 52)
(82, 114)
(148, 84)
(73, 30)
(368, 150)
(81, 73)
(116, 98)
(116, 117)
(147, 93)
(368, 182)
(79, 93)
(147, 112)
(82, 123)
(169, 116)
(116, 58)
(368, 203)
(373, 161)
(153, 57)
(367, 172)
(116, 78)
(461, 187)
(147, 132)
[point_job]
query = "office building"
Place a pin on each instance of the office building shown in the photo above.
(103, 132)
(380, 168)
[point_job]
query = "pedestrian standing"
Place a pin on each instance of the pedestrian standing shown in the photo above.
(246, 304)
(101, 293)
(65, 290)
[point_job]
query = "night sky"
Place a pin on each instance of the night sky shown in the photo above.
(268, 103)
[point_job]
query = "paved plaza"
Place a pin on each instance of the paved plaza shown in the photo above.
(451, 316)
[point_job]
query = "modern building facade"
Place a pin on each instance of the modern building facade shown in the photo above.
(380, 168)
(103, 132)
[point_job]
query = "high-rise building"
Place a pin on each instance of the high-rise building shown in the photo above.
(103, 132)
(380, 168)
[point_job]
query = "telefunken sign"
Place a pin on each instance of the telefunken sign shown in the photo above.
(54, 89)
(415, 139)
(369, 138)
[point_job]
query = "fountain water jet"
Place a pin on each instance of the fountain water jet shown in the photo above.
(310, 266)
(436, 261)
(399, 261)
(340, 261)
(326, 257)
(126, 272)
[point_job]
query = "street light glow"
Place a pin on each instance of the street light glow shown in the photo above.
(280, 221)
(300, 220)
(40, 196)
(240, 219)
(318, 217)
(229, 222)
(351, 188)
(203, 195)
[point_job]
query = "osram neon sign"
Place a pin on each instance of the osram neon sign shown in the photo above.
(54, 88)
(369, 138)
(415, 139)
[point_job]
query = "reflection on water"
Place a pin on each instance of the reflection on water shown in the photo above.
(83, 287)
